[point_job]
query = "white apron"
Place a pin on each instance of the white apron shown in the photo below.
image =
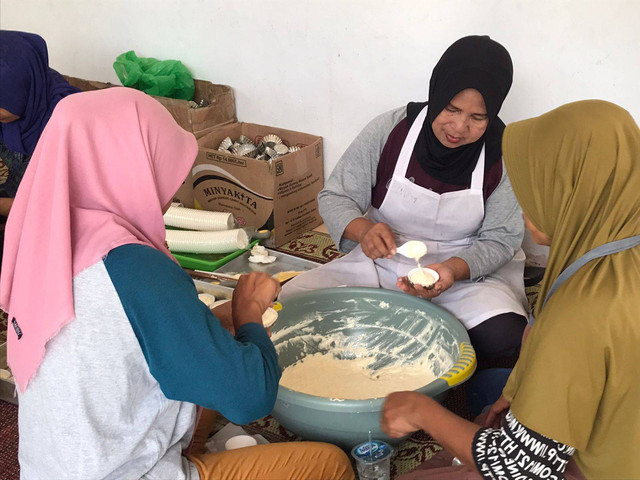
(446, 223)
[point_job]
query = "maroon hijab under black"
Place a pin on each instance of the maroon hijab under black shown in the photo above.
(471, 62)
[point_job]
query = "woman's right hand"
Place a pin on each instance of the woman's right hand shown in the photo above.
(402, 413)
(379, 242)
(254, 293)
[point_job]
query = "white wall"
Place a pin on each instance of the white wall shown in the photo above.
(328, 66)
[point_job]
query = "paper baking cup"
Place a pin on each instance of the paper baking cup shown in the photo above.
(207, 242)
(193, 219)
(431, 272)
(240, 441)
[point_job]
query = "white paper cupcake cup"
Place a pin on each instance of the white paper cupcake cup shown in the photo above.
(414, 272)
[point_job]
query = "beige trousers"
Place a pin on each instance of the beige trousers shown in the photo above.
(276, 461)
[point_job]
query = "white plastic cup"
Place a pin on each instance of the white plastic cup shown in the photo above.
(240, 441)
(373, 459)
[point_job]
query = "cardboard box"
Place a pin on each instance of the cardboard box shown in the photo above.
(184, 195)
(280, 195)
(221, 109)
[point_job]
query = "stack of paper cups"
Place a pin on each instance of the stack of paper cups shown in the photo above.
(193, 219)
(207, 242)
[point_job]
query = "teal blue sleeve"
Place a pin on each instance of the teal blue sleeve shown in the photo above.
(189, 353)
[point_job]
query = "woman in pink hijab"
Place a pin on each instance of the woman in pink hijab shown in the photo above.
(109, 345)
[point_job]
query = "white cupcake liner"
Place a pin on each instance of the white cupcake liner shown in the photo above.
(193, 219)
(207, 242)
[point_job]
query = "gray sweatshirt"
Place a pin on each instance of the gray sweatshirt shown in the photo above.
(115, 395)
(347, 196)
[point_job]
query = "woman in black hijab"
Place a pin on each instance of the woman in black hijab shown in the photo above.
(471, 62)
(433, 172)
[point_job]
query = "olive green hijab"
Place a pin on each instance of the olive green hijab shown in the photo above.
(576, 174)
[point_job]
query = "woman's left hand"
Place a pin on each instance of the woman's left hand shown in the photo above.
(447, 278)
(402, 413)
(497, 412)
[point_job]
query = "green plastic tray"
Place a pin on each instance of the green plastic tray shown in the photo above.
(209, 261)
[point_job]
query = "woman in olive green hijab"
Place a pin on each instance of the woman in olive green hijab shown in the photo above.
(576, 173)
(575, 391)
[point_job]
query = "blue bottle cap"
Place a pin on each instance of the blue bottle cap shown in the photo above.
(372, 452)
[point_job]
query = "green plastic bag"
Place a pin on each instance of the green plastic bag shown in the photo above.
(164, 78)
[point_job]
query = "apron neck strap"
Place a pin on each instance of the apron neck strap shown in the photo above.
(601, 251)
(477, 177)
(409, 143)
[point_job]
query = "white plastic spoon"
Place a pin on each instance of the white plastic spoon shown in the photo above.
(413, 249)
(420, 276)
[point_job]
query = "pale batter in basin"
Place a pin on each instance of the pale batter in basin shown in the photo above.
(327, 376)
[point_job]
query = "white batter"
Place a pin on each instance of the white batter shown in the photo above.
(326, 376)
(259, 254)
(413, 249)
(420, 276)
(412, 348)
(416, 250)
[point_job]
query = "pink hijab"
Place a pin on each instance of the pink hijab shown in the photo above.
(104, 167)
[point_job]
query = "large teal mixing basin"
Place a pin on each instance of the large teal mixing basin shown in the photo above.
(400, 326)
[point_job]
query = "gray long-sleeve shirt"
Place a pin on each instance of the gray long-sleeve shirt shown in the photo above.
(114, 397)
(347, 196)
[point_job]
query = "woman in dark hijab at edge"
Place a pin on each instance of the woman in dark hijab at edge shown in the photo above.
(433, 172)
(29, 91)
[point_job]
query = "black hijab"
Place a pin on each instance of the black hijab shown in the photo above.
(471, 62)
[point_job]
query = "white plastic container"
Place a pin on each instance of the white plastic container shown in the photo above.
(373, 460)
